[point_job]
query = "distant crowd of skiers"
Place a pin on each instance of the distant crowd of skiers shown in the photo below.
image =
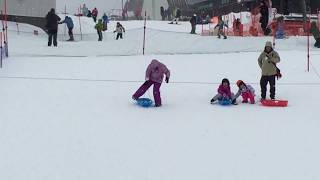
(173, 14)
(53, 20)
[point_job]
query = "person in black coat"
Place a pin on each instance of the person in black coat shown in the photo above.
(193, 22)
(264, 19)
(162, 13)
(52, 27)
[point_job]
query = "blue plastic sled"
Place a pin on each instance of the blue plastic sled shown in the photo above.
(144, 102)
(225, 102)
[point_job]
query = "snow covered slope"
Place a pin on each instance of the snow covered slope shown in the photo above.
(66, 113)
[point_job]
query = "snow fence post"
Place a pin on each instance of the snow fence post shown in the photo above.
(308, 43)
(6, 27)
(318, 11)
(18, 31)
(65, 14)
(144, 31)
(1, 50)
(80, 22)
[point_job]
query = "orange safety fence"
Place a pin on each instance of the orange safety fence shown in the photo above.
(253, 28)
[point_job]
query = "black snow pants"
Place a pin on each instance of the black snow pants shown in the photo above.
(52, 36)
(263, 84)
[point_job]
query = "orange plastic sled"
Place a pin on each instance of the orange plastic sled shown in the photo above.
(275, 103)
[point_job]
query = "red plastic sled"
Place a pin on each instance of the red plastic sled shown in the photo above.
(274, 103)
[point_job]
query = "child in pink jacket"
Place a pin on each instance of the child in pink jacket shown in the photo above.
(224, 92)
(154, 76)
(246, 91)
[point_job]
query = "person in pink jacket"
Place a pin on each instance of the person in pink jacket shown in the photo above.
(246, 91)
(224, 92)
(154, 76)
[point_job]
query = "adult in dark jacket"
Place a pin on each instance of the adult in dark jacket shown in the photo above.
(162, 13)
(52, 27)
(193, 22)
(70, 26)
(267, 62)
(264, 19)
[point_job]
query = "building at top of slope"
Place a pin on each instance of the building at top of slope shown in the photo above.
(28, 11)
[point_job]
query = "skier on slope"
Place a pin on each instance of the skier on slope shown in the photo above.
(95, 14)
(99, 28)
(221, 24)
(105, 19)
(154, 76)
(119, 30)
(70, 26)
(177, 17)
(193, 22)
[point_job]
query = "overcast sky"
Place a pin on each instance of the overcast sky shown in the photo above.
(102, 5)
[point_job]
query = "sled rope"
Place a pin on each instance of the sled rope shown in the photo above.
(136, 81)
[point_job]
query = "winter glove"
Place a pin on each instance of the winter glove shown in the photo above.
(167, 80)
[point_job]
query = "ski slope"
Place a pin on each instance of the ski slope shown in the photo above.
(67, 114)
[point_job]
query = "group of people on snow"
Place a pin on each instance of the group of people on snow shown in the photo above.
(86, 12)
(267, 62)
(169, 13)
(53, 20)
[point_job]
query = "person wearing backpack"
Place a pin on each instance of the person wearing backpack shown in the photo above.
(267, 62)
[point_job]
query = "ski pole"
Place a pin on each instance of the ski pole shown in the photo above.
(1, 50)
(6, 26)
(144, 31)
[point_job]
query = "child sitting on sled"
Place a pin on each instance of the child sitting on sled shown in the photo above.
(224, 92)
(246, 91)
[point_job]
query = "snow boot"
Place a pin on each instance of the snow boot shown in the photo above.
(234, 102)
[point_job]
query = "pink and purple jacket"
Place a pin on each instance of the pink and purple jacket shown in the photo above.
(225, 90)
(156, 70)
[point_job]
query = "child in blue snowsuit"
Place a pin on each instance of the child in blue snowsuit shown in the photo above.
(105, 19)
(70, 26)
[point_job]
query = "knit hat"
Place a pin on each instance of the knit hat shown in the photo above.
(268, 44)
(225, 80)
(239, 82)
